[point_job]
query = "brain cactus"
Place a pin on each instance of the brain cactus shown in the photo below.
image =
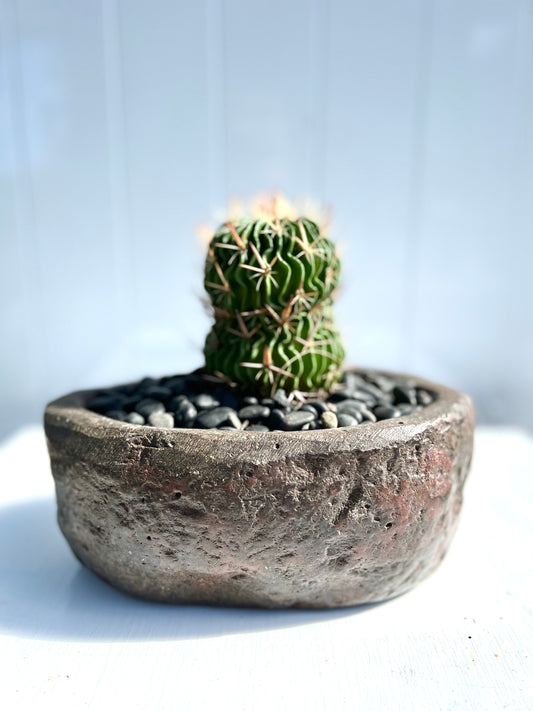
(271, 283)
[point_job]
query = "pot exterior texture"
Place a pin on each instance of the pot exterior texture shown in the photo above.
(325, 518)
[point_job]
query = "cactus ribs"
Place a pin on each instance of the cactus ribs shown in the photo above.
(271, 284)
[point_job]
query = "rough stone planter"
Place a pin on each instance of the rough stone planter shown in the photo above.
(324, 518)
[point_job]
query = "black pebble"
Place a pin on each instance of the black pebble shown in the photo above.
(371, 389)
(309, 408)
(385, 412)
(226, 398)
(319, 406)
(404, 394)
(158, 392)
(147, 383)
(127, 389)
(148, 406)
(355, 413)
(185, 414)
(351, 380)
(177, 385)
(197, 384)
(254, 412)
(406, 409)
(134, 418)
(116, 415)
(340, 395)
(249, 400)
(361, 399)
(209, 419)
(365, 397)
(277, 419)
(423, 397)
(383, 382)
(368, 415)
(130, 402)
(349, 405)
(346, 420)
(176, 402)
(204, 401)
(290, 421)
(281, 400)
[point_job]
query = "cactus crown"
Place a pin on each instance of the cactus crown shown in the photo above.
(271, 284)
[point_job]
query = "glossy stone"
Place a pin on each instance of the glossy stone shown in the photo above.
(148, 406)
(254, 412)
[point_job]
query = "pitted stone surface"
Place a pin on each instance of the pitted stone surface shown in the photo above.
(324, 518)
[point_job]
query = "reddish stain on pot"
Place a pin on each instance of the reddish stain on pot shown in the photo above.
(399, 505)
(415, 506)
(437, 465)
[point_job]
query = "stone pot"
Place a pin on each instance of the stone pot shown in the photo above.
(324, 518)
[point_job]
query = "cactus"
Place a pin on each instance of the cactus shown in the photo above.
(271, 284)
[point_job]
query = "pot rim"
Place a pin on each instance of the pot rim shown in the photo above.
(70, 412)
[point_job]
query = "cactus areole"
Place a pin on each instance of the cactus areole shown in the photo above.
(271, 285)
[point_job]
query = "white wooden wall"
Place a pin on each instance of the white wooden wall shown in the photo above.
(123, 125)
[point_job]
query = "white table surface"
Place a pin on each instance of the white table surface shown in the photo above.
(460, 640)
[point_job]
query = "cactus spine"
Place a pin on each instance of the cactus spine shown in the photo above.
(271, 284)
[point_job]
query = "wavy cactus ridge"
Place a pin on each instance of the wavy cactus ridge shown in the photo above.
(276, 359)
(271, 284)
(255, 252)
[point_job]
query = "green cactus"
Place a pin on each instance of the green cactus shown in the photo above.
(271, 285)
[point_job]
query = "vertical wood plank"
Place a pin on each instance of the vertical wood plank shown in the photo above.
(318, 59)
(411, 264)
(164, 60)
(216, 122)
(64, 129)
(376, 56)
(21, 311)
(268, 104)
(124, 276)
(474, 304)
